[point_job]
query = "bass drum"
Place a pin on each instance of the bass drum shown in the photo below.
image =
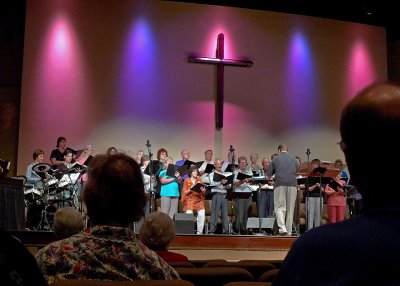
(31, 195)
(34, 214)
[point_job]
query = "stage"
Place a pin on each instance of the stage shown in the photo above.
(199, 247)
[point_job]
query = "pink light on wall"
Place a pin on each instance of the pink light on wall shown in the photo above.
(361, 70)
(211, 45)
(61, 89)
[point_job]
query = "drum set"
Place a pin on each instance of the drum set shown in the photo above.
(56, 189)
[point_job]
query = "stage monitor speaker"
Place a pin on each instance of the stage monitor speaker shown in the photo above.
(266, 222)
(184, 223)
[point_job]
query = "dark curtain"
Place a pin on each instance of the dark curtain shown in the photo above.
(12, 206)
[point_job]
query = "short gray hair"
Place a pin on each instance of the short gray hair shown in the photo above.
(157, 231)
(67, 221)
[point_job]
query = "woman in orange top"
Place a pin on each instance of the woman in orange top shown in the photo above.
(192, 200)
(336, 201)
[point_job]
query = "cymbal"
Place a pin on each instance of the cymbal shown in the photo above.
(41, 168)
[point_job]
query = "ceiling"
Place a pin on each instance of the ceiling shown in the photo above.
(378, 13)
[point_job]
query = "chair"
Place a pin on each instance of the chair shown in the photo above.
(255, 267)
(201, 262)
(268, 276)
(181, 264)
(214, 276)
(90, 282)
(242, 283)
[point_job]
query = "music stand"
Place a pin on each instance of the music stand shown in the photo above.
(324, 174)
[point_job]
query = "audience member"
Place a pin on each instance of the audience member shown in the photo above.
(363, 250)
(114, 198)
(157, 233)
(17, 265)
(67, 221)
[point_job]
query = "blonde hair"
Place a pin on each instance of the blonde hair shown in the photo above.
(157, 231)
(67, 221)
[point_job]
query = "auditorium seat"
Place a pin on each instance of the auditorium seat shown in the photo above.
(181, 264)
(90, 282)
(242, 283)
(268, 276)
(200, 262)
(214, 276)
(255, 267)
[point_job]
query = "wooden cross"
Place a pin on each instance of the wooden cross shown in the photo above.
(221, 62)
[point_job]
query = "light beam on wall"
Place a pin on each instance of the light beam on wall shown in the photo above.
(301, 89)
(361, 71)
(137, 87)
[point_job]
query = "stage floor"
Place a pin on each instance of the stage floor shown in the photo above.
(199, 247)
(233, 247)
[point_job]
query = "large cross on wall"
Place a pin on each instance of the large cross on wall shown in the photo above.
(220, 62)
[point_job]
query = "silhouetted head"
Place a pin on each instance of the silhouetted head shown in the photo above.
(114, 194)
(368, 126)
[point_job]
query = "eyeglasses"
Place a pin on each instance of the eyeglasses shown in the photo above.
(342, 145)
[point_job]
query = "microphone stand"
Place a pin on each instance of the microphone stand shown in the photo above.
(151, 191)
(232, 187)
(308, 152)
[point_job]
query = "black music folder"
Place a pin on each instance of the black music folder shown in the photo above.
(197, 186)
(302, 180)
(231, 167)
(335, 185)
(173, 168)
(312, 180)
(88, 160)
(155, 166)
(220, 176)
(241, 176)
(209, 167)
(260, 180)
(189, 163)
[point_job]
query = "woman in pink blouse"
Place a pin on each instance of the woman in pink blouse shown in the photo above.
(336, 200)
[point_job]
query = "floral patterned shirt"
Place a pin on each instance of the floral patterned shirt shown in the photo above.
(102, 252)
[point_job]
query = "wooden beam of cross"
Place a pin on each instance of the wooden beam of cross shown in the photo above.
(220, 62)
